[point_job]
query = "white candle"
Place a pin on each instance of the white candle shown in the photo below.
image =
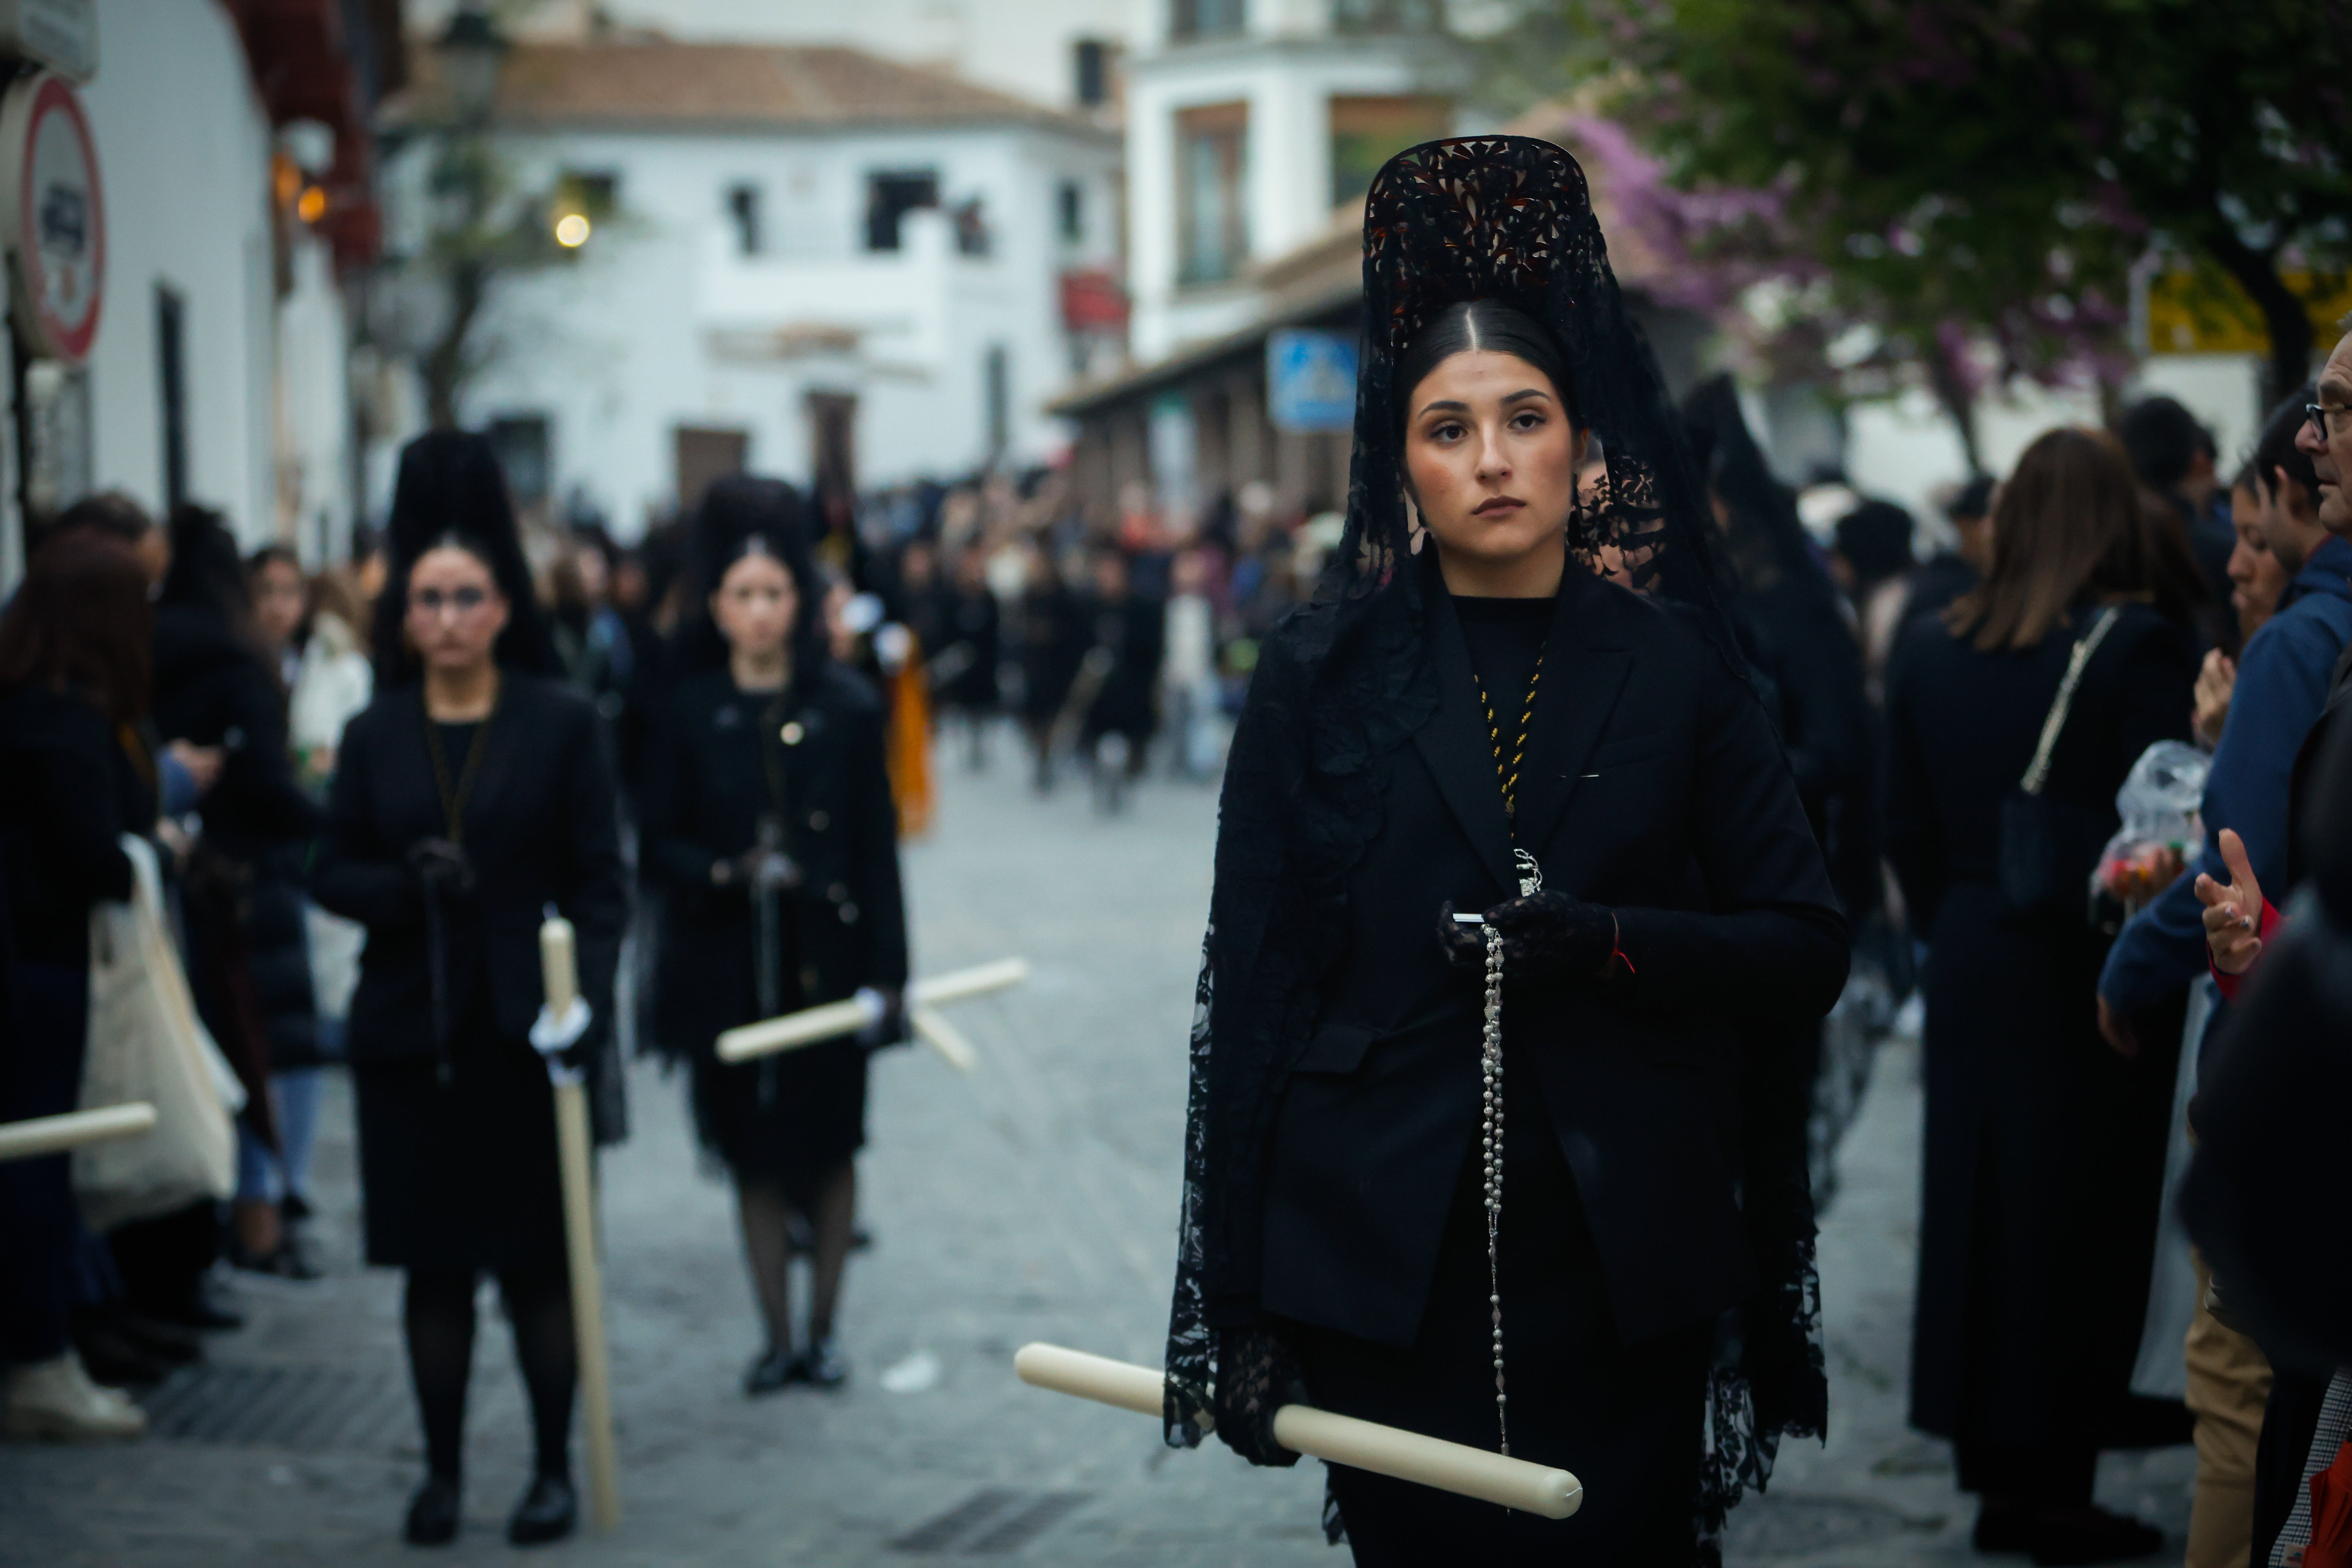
(558, 967)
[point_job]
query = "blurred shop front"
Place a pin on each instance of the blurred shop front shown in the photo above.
(187, 191)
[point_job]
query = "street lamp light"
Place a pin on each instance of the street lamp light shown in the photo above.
(472, 49)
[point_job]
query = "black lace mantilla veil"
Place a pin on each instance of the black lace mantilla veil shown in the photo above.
(1345, 681)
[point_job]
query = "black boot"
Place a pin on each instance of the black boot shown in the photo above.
(548, 1511)
(769, 1372)
(433, 1512)
(822, 1365)
(2086, 1534)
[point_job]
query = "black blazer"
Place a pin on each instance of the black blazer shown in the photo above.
(705, 789)
(1653, 784)
(540, 827)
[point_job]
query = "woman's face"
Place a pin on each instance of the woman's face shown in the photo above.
(1491, 458)
(2257, 576)
(755, 606)
(278, 600)
(455, 609)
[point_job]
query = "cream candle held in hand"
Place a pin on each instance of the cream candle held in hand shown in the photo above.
(559, 963)
(1456, 1467)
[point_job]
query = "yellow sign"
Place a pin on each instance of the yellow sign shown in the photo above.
(2206, 312)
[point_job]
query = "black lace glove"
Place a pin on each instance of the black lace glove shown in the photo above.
(443, 868)
(1555, 936)
(1465, 946)
(1256, 1376)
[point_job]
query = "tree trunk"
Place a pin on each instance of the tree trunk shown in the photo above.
(1951, 390)
(2283, 312)
(443, 366)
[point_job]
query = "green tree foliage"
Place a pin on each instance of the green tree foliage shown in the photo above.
(1958, 173)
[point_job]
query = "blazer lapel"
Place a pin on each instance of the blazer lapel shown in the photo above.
(1455, 745)
(1584, 673)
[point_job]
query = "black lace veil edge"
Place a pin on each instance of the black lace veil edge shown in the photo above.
(1343, 683)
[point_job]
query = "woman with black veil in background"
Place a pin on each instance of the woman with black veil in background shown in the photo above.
(1466, 712)
(769, 825)
(473, 794)
(1807, 660)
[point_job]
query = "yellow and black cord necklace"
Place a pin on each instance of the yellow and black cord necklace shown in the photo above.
(1506, 769)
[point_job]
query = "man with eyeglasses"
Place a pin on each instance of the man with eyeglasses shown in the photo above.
(2327, 437)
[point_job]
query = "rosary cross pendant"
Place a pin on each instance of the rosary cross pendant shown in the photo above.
(1531, 874)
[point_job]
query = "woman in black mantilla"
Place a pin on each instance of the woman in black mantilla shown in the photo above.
(474, 793)
(1448, 725)
(768, 819)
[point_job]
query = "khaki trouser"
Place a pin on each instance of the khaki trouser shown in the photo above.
(2229, 1379)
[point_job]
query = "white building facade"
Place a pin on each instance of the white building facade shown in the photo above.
(216, 372)
(781, 284)
(1248, 123)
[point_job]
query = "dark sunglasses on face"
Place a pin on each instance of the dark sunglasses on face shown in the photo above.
(464, 601)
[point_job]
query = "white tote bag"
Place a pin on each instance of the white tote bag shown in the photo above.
(147, 1042)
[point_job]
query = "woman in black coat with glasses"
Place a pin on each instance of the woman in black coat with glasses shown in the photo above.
(471, 796)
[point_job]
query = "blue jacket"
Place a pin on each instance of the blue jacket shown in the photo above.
(2283, 679)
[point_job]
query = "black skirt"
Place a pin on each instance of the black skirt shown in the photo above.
(793, 1120)
(1627, 1420)
(463, 1175)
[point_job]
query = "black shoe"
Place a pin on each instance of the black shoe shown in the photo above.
(433, 1512)
(822, 1365)
(2004, 1527)
(2077, 1535)
(293, 1207)
(287, 1262)
(199, 1309)
(771, 1371)
(549, 1512)
(115, 1360)
(174, 1343)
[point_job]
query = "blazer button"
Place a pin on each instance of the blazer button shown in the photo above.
(849, 914)
(793, 733)
(819, 821)
(809, 978)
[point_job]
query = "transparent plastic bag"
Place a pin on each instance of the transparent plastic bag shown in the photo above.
(2161, 833)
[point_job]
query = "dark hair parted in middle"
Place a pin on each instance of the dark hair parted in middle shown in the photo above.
(1470, 326)
(740, 515)
(452, 491)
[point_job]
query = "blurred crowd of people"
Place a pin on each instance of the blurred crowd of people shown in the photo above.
(1960, 708)
(2120, 618)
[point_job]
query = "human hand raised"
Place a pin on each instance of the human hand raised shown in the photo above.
(2233, 914)
(2217, 681)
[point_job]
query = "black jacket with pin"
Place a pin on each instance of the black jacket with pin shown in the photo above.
(1653, 785)
(540, 827)
(706, 787)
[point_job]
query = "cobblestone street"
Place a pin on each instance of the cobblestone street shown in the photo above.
(1035, 1199)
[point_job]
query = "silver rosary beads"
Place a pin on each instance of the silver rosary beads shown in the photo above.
(1491, 1063)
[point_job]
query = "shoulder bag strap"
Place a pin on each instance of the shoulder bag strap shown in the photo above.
(2038, 774)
